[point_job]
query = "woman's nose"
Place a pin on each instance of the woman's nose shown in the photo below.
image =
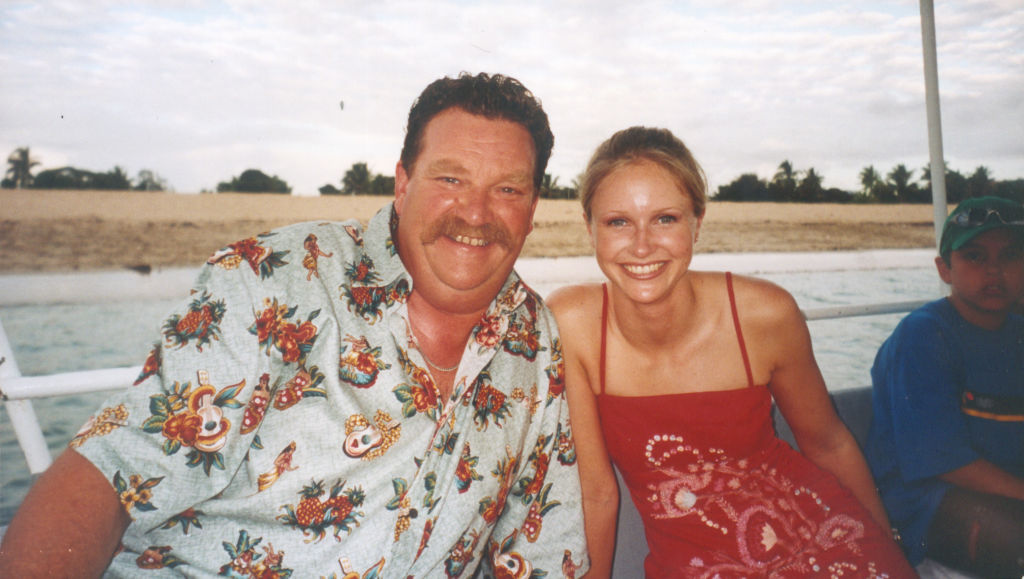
(642, 242)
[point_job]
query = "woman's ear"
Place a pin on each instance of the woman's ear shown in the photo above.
(590, 231)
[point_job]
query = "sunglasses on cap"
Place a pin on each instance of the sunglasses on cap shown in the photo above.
(978, 216)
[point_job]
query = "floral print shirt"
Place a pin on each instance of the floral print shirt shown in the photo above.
(286, 424)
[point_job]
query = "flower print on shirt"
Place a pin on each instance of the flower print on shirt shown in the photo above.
(194, 418)
(136, 492)
(304, 384)
(273, 328)
(261, 259)
(359, 364)
(201, 323)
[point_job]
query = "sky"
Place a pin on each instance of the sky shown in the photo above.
(200, 91)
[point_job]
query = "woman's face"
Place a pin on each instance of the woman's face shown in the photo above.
(643, 230)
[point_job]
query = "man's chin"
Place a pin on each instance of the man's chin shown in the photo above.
(470, 283)
(464, 277)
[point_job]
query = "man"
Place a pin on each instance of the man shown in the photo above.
(334, 401)
(947, 441)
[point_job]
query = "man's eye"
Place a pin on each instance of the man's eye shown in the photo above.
(450, 180)
(1013, 254)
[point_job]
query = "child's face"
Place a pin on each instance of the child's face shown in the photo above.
(987, 276)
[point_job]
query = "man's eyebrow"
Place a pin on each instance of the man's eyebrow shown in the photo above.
(519, 177)
(445, 166)
(455, 167)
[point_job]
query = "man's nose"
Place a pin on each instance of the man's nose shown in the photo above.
(474, 204)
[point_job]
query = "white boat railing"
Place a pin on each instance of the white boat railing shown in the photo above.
(17, 391)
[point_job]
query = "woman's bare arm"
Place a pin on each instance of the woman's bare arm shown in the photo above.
(801, 395)
(597, 478)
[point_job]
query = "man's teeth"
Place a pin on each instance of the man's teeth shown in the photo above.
(643, 269)
(474, 241)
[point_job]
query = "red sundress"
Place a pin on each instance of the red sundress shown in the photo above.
(721, 496)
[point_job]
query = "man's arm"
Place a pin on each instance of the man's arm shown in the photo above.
(70, 524)
(983, 476)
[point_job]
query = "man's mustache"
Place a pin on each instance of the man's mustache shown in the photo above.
(453, 227)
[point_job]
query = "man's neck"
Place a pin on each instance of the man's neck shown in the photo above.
(441, 337)
(984, 319)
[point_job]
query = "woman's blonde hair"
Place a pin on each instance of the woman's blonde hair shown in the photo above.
(656, 145)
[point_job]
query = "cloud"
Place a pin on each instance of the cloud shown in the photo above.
(199, 91)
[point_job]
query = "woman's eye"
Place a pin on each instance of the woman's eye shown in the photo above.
(667, 219)
(616, 222)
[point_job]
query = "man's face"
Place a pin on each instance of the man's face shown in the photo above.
(465, 208)
(986, 275)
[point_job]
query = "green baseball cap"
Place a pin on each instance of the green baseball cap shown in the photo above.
(975, 216)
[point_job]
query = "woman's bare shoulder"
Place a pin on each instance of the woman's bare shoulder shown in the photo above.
(761, 300)
(574, 304)
(570, 298)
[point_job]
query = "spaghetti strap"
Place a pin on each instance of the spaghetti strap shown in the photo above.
(604, 330)
(739, 333)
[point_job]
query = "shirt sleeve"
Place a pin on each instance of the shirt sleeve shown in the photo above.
(175, 437)
(931, 435)
(541, 528)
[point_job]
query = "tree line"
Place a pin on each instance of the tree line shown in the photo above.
(360, 180)
(20, 164)
(899, 185)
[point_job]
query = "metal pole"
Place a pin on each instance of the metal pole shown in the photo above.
(23, 417)
(937, 160)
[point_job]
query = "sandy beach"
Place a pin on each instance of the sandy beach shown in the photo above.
(101, 230)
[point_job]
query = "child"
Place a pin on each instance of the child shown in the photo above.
(946, 444)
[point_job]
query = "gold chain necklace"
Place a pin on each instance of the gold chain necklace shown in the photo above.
(424, 354)
(436, 367)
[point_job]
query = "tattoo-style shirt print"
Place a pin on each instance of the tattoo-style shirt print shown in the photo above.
(285, 424)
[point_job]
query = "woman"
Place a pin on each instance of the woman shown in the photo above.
(672, 372)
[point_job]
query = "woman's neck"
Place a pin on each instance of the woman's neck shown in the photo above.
(656, 324)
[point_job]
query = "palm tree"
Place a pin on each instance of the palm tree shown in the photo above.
(783, 185)
(357, 180)
(868, 179)
(20, 167)
(810, 188)
(980, 182)
(548, 186)
(900, 178)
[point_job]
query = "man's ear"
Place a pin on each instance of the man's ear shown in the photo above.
(945, 273)
(401, 187)
(533, 213)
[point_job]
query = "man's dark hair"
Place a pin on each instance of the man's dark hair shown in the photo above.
(492, 96)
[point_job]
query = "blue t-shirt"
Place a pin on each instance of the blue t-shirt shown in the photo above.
(946, 393)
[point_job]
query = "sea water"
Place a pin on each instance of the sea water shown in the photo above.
(48, 339)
